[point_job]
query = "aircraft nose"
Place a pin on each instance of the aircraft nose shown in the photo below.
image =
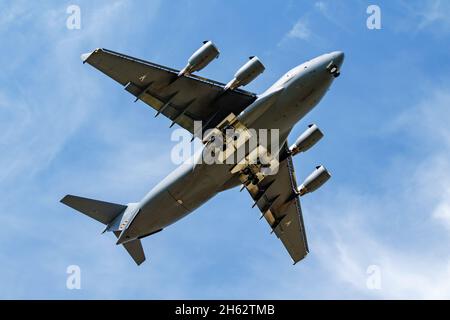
(338, 58)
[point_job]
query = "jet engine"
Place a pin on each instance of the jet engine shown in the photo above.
(306, 140)
(200, 58)
(246, 74)
(314, 181)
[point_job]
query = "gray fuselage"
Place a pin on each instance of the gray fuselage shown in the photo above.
(189, 186)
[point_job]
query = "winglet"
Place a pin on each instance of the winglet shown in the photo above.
(85, 56)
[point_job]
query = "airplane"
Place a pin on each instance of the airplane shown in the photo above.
(185, 99)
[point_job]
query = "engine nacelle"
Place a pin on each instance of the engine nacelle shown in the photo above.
(314, 181)
(307, 139)
(246, 74)
(200, 58)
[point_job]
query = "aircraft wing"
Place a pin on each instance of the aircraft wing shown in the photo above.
(276, 198)
(181, 99)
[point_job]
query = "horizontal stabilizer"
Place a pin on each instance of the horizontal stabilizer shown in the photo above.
(135, 249)
(104, 212)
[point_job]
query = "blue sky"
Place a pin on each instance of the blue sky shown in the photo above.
(67, 128)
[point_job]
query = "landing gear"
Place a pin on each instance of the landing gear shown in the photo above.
(255, 180)
(251, 177)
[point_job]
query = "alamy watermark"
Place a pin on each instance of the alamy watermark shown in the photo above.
(373, 22)
(73, 280)
(73, 21)
(373, 281)
(230, 146)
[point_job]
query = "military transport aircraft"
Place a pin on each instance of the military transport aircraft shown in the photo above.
(185, 98)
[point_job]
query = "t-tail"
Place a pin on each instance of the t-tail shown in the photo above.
(116, 217)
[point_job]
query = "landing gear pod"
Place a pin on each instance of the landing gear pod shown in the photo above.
(246, 74)
(314, 181)
(307, 140)
(200, 58)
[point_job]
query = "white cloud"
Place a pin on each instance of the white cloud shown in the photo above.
(300, 30)
(430, 16)
(435, 12)
(14, 12)
(304, 27)
(50, 97)
(354, 245)
(442, 213)
(396, 228)
(330, 14)
(37, 123)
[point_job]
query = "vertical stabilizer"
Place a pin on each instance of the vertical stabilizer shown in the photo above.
(135, 250)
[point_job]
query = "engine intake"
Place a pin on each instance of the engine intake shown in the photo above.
(314, 181)
(246, 74)
(200, 58)
(306, 140)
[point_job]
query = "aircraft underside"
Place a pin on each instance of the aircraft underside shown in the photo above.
(231, 124)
